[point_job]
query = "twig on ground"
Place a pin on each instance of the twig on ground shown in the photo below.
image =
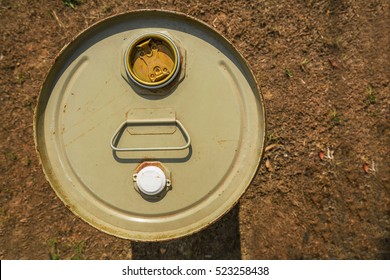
(57, 19)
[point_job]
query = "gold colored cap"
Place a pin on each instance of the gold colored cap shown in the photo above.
(152, 60)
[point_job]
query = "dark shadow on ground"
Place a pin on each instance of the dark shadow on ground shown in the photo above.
(219, 241)
(384, 248)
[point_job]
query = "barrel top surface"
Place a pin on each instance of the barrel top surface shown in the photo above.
(206, 129)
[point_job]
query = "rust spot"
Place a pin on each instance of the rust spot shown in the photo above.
(149, 163)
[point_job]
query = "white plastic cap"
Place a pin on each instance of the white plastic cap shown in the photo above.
(151, 180)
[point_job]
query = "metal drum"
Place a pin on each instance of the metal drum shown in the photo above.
(150, 125)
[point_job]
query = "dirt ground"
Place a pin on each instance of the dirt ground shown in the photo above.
(322, 191)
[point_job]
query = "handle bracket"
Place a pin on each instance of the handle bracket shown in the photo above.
(149, 122)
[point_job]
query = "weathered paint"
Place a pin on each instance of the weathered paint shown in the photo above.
(216, 97)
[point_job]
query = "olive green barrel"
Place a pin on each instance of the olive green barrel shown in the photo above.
(150, 125)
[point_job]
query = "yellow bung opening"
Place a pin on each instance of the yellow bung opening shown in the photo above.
(152, 60)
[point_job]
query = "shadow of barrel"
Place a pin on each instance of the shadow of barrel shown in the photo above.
(220, 241)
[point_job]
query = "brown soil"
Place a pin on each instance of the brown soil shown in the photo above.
(322, 191)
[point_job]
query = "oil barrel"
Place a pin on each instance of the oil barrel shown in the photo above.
(150, 125)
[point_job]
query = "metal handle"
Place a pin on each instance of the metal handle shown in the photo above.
(148, 122)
